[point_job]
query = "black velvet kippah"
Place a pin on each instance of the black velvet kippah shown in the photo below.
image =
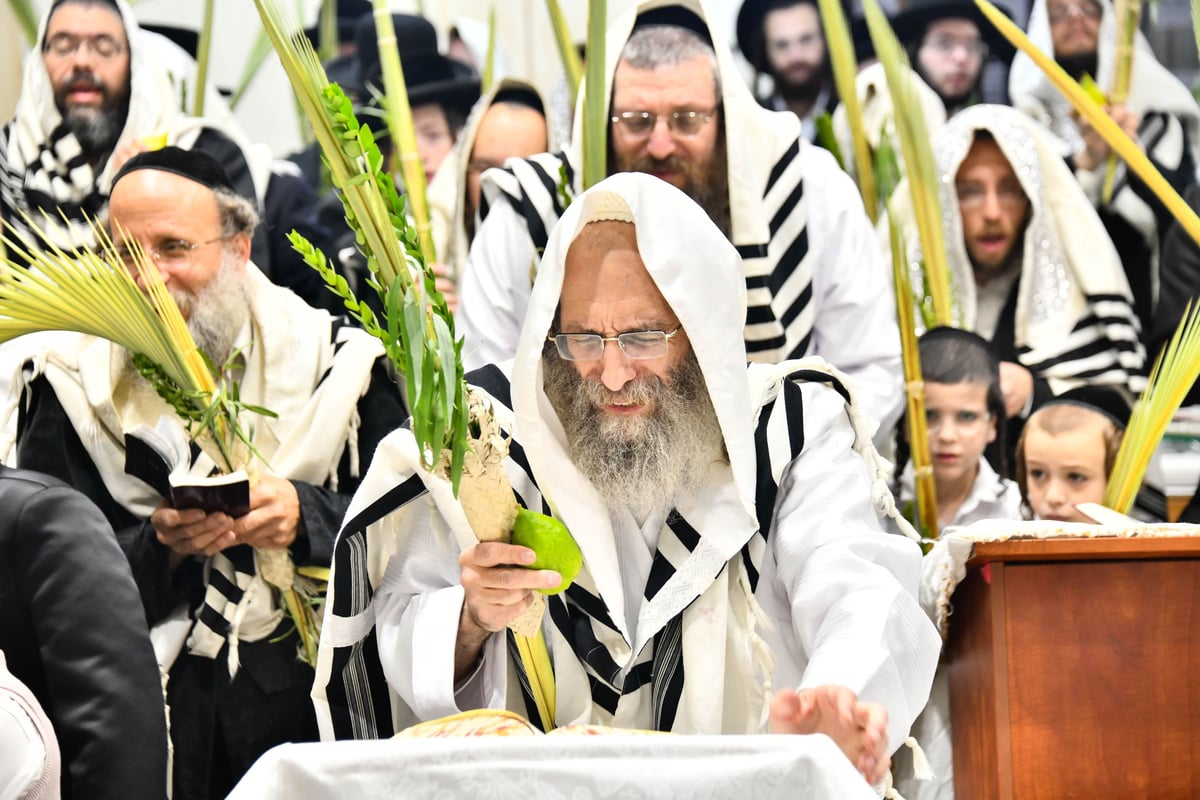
(676, 16)
(1103, 399)
(950, 332)
(191, 164)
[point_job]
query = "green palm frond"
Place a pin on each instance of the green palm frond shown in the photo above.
(418, 329)
(1174, 374)
(595, 101)
(572, 66)
(918, 160)
(27, 18)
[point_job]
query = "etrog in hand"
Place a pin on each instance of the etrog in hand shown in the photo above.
(553, 544)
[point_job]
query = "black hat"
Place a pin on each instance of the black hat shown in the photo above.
(195, 165)
(676, 16)
(750, 27)
(431, 76)
(186, 38)
(349, 12)
(1102, 399)
(910, 24)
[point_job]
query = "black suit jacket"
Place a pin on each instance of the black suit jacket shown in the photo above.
(72, 629)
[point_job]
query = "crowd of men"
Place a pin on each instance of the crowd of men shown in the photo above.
(695, 359)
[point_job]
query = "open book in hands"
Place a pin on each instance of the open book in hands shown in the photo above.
(161, 455)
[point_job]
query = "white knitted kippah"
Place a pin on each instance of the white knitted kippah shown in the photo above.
(607, 207)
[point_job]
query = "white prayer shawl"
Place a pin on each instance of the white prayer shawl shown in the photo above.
(42, 161)
(1153, 89)
(835, 589)
(991, 497)
(1074, 319)
(299, 365)
(448, 190)
(811, 268)
(878, 113)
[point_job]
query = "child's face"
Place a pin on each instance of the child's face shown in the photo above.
(1064, 469)
(960, 427)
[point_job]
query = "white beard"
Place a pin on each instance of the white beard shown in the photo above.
(644, 462)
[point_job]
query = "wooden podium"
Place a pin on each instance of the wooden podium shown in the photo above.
(1074, 669)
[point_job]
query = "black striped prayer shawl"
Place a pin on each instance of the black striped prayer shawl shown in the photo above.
(357, 692)
(1073, 319)
(779, 272)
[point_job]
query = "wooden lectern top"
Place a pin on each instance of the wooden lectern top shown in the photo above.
(1079, 548)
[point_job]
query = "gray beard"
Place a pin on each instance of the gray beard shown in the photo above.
(96, 129)
(218, 313)
(216, 317)
(646, 462)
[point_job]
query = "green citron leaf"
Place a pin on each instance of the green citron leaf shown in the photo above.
(553, 544)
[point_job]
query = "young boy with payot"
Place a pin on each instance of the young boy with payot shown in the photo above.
(1067, 452)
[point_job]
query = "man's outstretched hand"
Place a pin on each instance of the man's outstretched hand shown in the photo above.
(860, 729)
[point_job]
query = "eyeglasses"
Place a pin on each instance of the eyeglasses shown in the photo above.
(1064, 11)
(640, 124)
(973, 195)
(636, 345)
(171, 252)
(104, 46)
(946, 45)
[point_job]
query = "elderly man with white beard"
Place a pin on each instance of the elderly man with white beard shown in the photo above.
(728, 518)
(330, 386)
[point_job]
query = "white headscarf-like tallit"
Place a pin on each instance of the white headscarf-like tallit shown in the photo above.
(448, 190)
(1070, 267)
(755, 137)
(710, 310)
(1152, 86)
(38, 149)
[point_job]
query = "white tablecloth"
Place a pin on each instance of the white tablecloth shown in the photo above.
(575, 767)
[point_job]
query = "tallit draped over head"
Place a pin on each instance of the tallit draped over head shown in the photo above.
(1152, 86)
(448, 189)
(1074, 318)
(613, 664)
(43, 167)
(699, 276)
(755, 138)
(796, 241)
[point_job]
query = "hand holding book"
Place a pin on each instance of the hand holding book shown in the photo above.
(161, 455)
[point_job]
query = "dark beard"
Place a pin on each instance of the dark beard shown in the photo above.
(707, 184)
(807, 90)
(1012, 262)
(97, 129)
(641, 463)
(1079, 64)
(951, 102)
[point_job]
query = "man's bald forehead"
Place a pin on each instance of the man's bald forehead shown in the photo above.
(606, 235)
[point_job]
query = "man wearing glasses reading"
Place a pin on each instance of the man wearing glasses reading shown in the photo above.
(735, 576)
(681, 112)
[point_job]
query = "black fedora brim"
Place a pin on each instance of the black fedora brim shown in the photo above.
(910, 24)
